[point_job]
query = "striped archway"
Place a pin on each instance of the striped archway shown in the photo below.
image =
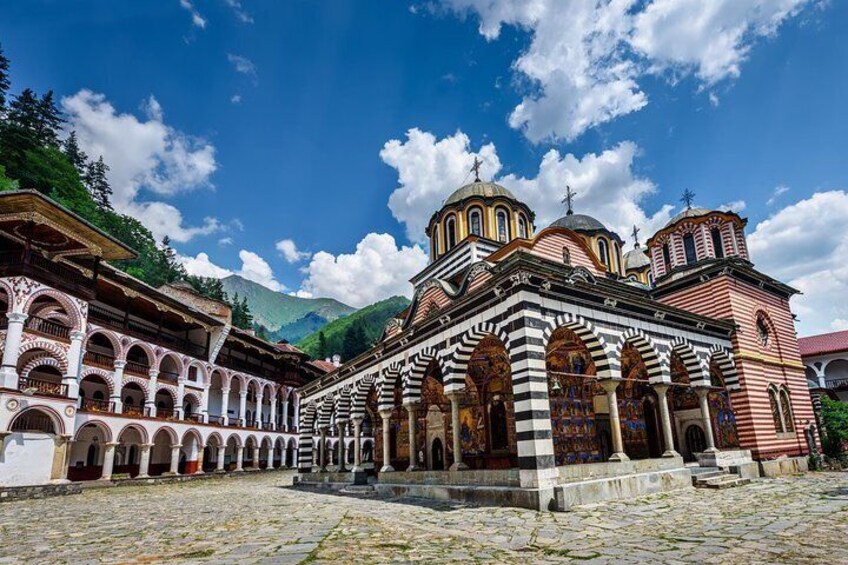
(657, 372)
(386, 384)
(457, 367)
(605, 367)
(724, 358)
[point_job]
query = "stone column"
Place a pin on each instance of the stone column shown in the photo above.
(342, 451)
(706, 420)
(258, 412)
(150, 403)
(66, 441)
(322, 451)
(199, 470)
(239, 458)
(357, 444)
(178, 408)
(273, 415)
(458, 465)
(242, 407)
(610, 386)
(296, 412)
(222, 454)
(255, 452)
(108, 460)
(71, 378)
(225, 405)
(175, 459)
(662, 394)
(144, 461)
(387, 436)
(11, 350)
(411, 413)
(118, 377)
(286, 414)
(204, 404)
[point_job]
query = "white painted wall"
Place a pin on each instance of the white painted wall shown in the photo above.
(27, 459)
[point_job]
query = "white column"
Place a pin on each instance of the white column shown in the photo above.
(199, 470)
(144, 460)
(342, 451)
(204, 404)
(71, 378)
(703, 392)
(68, 442)
(286, 413)
(222, 453)
(258, 414)
(610, 385)
(273, 417)
(357, 444)
(11, 349)
(118, 377)
(150, 403)
(296, 411)
(256, 457)
(242, 407)
(387, 436)
(239, 458)
(225, 405)
(662, 395)
(108, 461)
(458, 465)
(178, 409)
(175, 459)
(411, 412)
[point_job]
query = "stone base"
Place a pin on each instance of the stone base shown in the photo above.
(533, 499)
(724, 459)
(783, 466)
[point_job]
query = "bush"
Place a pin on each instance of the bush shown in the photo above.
(835, 421)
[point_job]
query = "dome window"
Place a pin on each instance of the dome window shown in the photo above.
(566, 256)
(718, 247)
(689, 248)
(503, 226)
(762, 332)
(475, 222)
(450, 232)
(522, 227)
(435, 243)
(666, 253)
(603, 252)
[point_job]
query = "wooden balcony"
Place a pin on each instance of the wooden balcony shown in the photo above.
(216, 420)
(139, 411)
(42, 387)
(94, 359)
(93, 405)
(59, 275)
(135, 368)
(48, 328)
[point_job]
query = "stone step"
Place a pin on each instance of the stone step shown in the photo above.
(728, 482)
(712, 476)
(358, 489)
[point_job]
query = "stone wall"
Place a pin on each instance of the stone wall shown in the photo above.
(38, 491)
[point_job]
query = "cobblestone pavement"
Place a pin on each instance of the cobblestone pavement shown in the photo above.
(257, 519)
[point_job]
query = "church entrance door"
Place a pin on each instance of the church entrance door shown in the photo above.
(696, 441)
(437, 452)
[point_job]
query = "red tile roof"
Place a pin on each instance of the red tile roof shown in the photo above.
(325, 366)
(824, 343)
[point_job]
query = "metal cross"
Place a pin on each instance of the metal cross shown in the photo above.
(688, 198)
(636, 235)
(476, 168)
(568, 200)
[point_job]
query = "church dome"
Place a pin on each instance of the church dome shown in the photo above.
(480, 189)
(636, 259)
(689, 213)
(579, 222)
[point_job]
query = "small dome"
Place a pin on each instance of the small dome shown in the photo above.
(481, 189)
(689, 213)
(636, 259)
(579, 222)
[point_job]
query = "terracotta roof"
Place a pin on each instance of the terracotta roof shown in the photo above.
(287, 347)
(824, 343)
(324, 366)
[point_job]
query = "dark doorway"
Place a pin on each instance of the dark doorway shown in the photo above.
(498, 421)
(653, 428)
(438, 454)
(696, 441)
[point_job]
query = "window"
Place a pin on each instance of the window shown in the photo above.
(615, 256)
(775, 411)
(786, 410)
(503, 226)
(762, 332)
(566, 256)
(781, 409)
(689, 248)
(666, 257)
(603, 253)
(718, 247)
(522, 227)
(435, 243)
(475, 222)
(450, 232)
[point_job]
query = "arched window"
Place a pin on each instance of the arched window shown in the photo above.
(786, 410)
(762, 332)
(666, 257)
(689, 248)
(450, 232)
(603, 253)
(91, 456)
(615, 256)
(718, 246)
(774, 403)
(475, 221)
(503, 225)
(566, 256)
(522, 227)
(434, 243)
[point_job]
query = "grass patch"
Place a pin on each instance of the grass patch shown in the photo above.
(196, 554)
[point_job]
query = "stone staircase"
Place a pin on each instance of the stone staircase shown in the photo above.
(716, 478)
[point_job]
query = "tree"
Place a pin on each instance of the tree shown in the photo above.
(209, 287)
(5, 182)
(76, 156)
(98, 183)
(50, 120)
(835, 421)
(40, 118)
(4, 79)
(322, 346)
(354, 341)
(242, 317)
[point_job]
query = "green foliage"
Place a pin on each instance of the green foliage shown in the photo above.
(5, 182)
(4, 78)
(209, 287)
(242, 317)
(321, 352)
(370, 320)
(835, 421)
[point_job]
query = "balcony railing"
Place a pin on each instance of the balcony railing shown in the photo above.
(48, 327)
(836, 383)
(241, 365)
(267, 426)
(198, 417)
(168, 376)
(250, 423)
(35, 265)
(38, 386)
(140, 411)
(234, 423)
(137, 368)
(217, 420)
(94, 405)
(166, 413)
(95, 359)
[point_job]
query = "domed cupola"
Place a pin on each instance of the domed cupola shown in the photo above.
(605, 243)
(694, 235)
(482, 210)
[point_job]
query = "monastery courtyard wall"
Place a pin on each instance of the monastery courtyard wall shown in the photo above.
(256, 519)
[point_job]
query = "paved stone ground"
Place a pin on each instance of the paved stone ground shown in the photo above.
(257, 519)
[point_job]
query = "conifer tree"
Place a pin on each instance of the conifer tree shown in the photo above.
(4, 79)
(98, 183)
(50, 120)
(76, 156)
(322, 345)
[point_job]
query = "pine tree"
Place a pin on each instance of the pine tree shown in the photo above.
(98, 183)
(24, 114)
(322, 346)
(242, 317)
(50, 120)
(4, 79)
(76, 156)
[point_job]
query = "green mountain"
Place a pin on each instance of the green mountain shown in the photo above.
(353, 334)
(277, 311)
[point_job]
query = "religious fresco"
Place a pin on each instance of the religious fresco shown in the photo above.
(371, 407)
(632, 403)
(433, 395)
(681, 397)
(723, 418)
(573, 421)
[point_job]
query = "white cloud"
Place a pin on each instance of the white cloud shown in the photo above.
(585, 59)
(235, 99)
(804, 245)
(225, 241)
(289, 251)
(239, 12)
(143, 154)
(196, 19)
(301, 294)
(839, 325)
(242, 64)
(607, 187)
(377, 270)
(734, 206)
(253, 268)
(779, 191)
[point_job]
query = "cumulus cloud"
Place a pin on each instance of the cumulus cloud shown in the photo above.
(778, 191)
(799, 245)
(144, 154)
(376, 270)
(734, 206)
(196, 19)
(290, 252)
(585, 59)
(253, 268)
(607, 187)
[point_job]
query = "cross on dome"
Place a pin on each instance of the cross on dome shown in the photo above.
(568, 200)
(475, 168)
(688, 198)
(635, 234)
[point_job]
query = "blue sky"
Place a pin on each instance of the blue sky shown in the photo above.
(258, 134)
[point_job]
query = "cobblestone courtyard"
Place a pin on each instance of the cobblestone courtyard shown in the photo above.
(257, 519)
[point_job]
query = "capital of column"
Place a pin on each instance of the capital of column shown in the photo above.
(610, 384)
(119, 364)
(243, 393)
(176, 446)
(146, 446)
(17, 317)
(225, 391)
(702, 391)
(661, 388)
(153, 373)
(76, 335)
(385, 414)
(112, 444)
